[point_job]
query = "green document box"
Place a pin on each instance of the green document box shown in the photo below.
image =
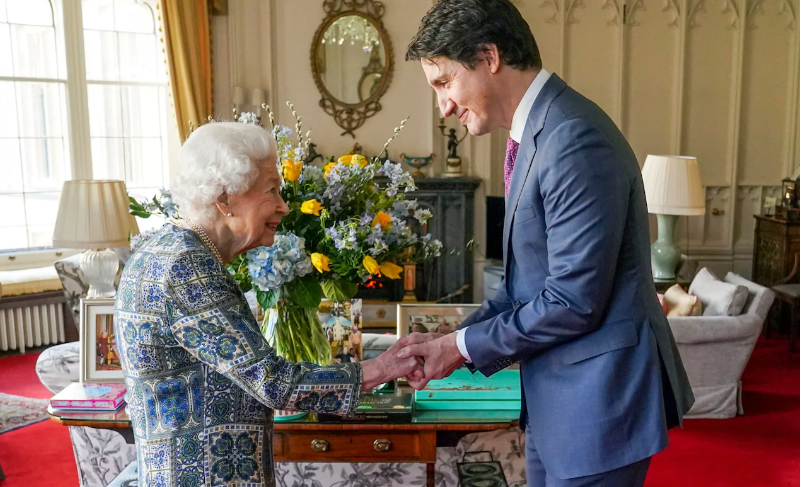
(465, 391)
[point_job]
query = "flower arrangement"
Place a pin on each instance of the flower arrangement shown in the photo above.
(344, 227)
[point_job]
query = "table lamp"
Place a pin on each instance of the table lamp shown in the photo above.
(672, 188)
(93, 215)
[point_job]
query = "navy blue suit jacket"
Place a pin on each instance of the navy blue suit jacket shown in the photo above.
(601, 375)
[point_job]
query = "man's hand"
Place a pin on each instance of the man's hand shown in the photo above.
(441, 357)
(388, 366)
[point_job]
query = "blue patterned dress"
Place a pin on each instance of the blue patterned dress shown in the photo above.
(202, 381)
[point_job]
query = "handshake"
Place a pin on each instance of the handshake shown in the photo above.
(420, 357)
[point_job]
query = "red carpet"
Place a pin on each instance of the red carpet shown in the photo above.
(758, 449)
(39, 455)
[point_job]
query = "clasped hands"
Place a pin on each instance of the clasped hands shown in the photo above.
(420, 357)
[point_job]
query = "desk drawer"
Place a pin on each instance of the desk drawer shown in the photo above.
(335, 446)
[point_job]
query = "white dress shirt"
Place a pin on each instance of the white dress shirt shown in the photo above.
(519, 120)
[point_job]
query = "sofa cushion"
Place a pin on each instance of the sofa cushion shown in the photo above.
(679, 303)
(719, 298)
(30, 281)
(760, 297)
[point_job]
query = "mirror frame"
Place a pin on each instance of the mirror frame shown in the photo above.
(351, 116)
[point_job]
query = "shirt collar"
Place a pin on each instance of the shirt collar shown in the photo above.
(521, 113)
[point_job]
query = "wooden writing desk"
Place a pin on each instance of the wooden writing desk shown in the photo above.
(307, 440)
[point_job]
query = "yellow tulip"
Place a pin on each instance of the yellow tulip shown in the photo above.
(320, 262)
(371, 265)
(390, 270)
(328, 167)
(291, 170)
(311, 207)
(351, 159)
(383, 219)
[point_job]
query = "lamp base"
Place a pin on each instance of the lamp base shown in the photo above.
(665, 254)
(100, 267)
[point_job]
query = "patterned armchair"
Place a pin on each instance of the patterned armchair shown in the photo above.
(101, 455)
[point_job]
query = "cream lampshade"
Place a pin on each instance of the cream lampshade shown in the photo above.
(93, 215)
(672, 187)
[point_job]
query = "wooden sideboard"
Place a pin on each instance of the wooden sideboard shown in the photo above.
(776, 243)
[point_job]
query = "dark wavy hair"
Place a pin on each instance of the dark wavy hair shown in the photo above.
(459, 30)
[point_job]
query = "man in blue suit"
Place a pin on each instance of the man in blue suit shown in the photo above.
(602, 380)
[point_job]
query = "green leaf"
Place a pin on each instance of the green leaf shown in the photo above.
(266, 299)
(304, 291)
(339, 290)
(140, 214)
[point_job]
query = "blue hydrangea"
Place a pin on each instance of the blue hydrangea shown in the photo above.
(271, 267)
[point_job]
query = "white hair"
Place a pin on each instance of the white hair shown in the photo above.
(219, 157)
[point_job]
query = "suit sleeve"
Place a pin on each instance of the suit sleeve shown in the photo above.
(490, 308)
(585, 192)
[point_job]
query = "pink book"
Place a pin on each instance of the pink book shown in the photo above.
(95, 396)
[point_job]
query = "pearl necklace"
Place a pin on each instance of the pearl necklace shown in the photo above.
(204, 237)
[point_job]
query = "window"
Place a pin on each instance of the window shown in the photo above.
(127, 93)
(119, 104)
(34, 147)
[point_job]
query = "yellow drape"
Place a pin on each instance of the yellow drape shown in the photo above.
(187, 37)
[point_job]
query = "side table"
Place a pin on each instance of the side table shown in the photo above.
(307, 440)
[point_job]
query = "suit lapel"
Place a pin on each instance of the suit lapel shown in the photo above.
(526, 153)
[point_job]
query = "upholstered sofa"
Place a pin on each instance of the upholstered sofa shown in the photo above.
(102, 454)
(716, 349)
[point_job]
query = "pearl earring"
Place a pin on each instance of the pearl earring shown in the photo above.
(230, 214)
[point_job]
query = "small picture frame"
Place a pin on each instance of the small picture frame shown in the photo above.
(343, 324)
(770, 206)
(432, 317)
(100, 360)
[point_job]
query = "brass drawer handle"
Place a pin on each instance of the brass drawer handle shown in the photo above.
(320, 446)
(382, 445)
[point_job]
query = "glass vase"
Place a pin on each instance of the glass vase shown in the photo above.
(295, 333)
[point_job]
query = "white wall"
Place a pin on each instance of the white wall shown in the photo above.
(714, 79)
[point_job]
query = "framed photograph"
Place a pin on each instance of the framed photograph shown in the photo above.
(100, 359)
(432, 317)
(381, 315)
(343, 324)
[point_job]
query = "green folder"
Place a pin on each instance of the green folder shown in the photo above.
(464, 390)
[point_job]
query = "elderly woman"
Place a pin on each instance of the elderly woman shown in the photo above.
(202, 381)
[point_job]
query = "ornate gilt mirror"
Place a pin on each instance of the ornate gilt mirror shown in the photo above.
(351, 58)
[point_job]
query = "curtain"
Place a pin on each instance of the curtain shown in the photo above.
(187, 38)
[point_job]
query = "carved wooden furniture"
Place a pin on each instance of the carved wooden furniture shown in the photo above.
(776, 243)
(452, 205)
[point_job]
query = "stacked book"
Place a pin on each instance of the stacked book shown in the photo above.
(378, 407)
(86, 396)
